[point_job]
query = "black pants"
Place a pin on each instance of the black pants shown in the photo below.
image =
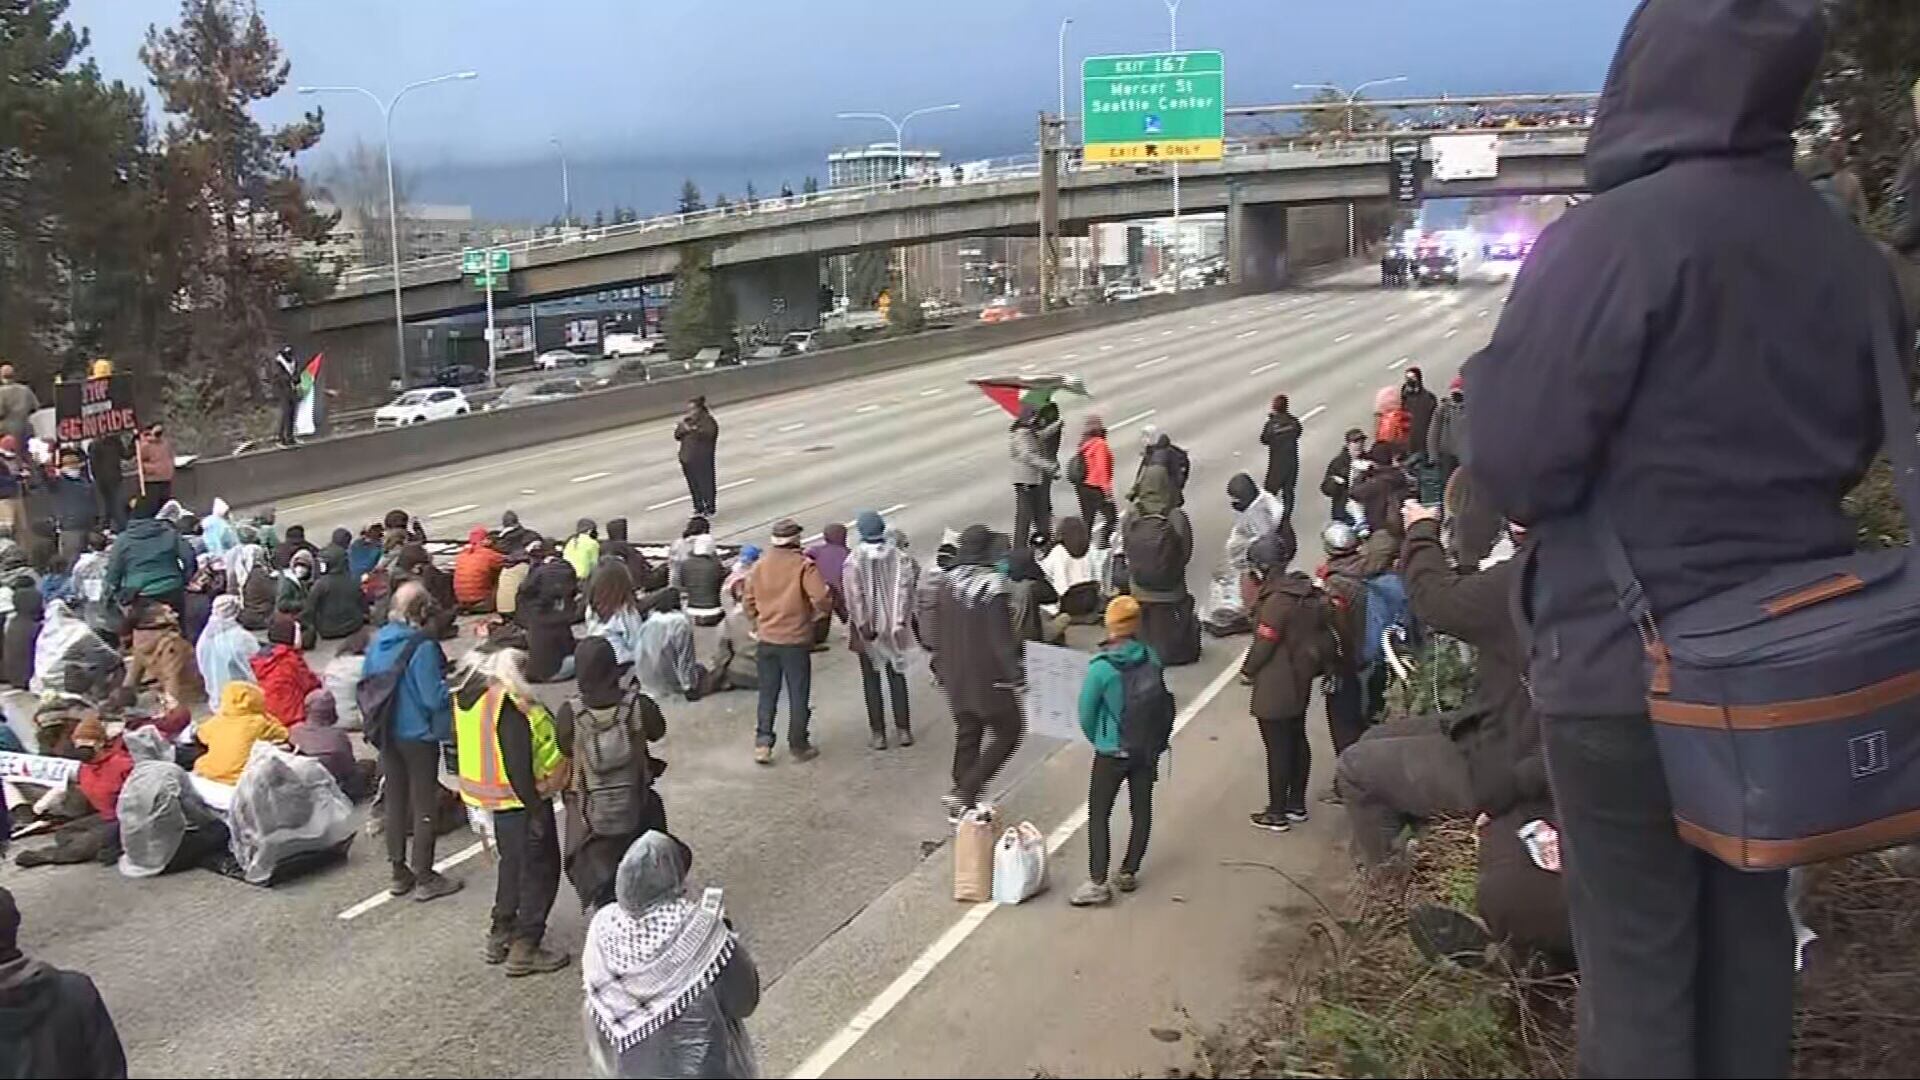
(1346, 712)
(1403, 771)
(701, 484)
(876, 705)
(286, 422)
(1282, 481)
(1289, 762)
(529, 874)
(974, 767)
(159, 491)
(1031, 514)
(792, 665)
(113, 505)
(1686, 964)
(1337, 510)
(199, 846)
(1102, 788)
(412, 800)
(1096, 503)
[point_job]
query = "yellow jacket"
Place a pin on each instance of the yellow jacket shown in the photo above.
(229, 734)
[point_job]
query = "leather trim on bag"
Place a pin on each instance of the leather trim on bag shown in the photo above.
(1819, 592)
(1786, 713)
(1785, 854)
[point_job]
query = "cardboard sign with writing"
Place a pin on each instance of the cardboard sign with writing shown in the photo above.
(90, 408)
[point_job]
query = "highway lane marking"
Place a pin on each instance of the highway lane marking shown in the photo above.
(1192, 327)
(867, 409)
(1106, 348)
(888, 512)
(1245, 334)
(1213, 322)
(529, 491)
(452, 510)
(1350, 303)
(1028, 367)
(1134, 419)
(1138, 340)
(728, 486)
(1452, 330)
(1070, 356)
(786, 428)
(889, 998)
(383, 896)
(1391, 317)
(1149, 363)
(1483, 313)
(1343, 338)
(985, 409)
(590, 477)
(1308, 314)
(1264, 368)
(1313, 412)
(933, 391)
(1398, 362)
(1169, 333)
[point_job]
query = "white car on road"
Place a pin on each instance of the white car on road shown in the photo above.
(554, 359)
(420, 406)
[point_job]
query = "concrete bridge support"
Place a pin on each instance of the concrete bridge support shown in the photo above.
(1257, 243)
(783, 294)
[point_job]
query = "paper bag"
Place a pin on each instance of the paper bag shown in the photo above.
(973, 841)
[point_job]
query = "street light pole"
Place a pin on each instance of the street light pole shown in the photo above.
(393, 209)
(1064, 23)
(1353, 241)
(1173, 45)
(899, 151)
(566, 182)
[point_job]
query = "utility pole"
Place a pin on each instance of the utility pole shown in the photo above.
(1052, 135)
(1173, 45)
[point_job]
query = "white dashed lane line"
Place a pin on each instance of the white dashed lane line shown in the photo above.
(729, 486)
(986, 409)
(1264, 368)
(383, 896)
(1313, 412)
(933, 391)
(589, 478)
(1134, 419)
(1150, 363)
(1245, 334)
(870, 407)
(1343, 338)
(784, 429)
(452, 510)
(1397, 363)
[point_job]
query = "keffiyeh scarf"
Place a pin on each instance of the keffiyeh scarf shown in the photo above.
(642, 972)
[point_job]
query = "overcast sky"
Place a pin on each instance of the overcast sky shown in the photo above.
(645, 91)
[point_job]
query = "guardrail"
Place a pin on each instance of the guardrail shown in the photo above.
(1002, 169)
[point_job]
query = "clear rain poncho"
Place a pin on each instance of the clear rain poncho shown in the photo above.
(69, 658)
(225, 650)
(285, 806)
(1256, 514)
(669, 983)
(158, 804)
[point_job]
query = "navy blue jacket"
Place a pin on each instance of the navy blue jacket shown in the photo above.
(1688, 353)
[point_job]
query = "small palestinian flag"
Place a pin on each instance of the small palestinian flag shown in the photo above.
(1016, 392)
(306, 412)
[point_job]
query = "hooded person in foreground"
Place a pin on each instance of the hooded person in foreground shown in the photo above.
(966, 621)
(669, 984)
(53, 1023)
(1698, 338)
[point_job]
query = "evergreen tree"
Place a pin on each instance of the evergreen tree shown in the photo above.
(690, 198)
(599, 219)
(701, 312)
(810, 185)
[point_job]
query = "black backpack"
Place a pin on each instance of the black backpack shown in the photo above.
(378, 693)
(1146, 720)
(1153, 553)
(1077, 468)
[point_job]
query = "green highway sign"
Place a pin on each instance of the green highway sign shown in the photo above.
(1154, 107)
(488, 267)
(473, 261)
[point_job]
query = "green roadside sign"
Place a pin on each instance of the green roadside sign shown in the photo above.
(487, 267)
(1154, 107)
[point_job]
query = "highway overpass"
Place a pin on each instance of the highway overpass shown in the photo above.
(770, 256)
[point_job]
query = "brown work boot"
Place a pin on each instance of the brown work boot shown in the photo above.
(498, 944)
(533, 958)
(433, 885)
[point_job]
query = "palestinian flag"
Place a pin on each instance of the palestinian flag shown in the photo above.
(306, 411)
(1016, 392)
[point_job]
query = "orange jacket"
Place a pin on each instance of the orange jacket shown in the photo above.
(476, 571)
(1099, 458)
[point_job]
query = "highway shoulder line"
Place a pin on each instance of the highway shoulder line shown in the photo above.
(836, 1047)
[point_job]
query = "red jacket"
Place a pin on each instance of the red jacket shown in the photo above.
(102, 778)
(285, 680)
(1396, 427)
(476, 573)
(1099, 458)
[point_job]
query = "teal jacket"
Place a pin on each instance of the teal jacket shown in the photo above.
(149, 558)
(1103, 697)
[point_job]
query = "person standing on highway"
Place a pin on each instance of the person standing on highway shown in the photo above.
(1032, 473)
(1337, 481)
(76, 508)
(1091, 471)
(284, 376)
(1419, 404)
(699, 436)
(154, 455)
(1446, 437)
(605, 728)
(1125, 712)
(512, 766)
(785, 599)
(106, 458)
(1050, 429)
(880, 586)
(966, 621)
(422, 719)
(17, 406)
(1698, 340)
(150, 560)
(1293, 644)
(1281, 437)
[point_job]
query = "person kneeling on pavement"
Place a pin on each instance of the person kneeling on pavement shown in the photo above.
(511, 766)
(1126, 712)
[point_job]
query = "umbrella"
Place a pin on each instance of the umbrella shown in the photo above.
(1016, 392)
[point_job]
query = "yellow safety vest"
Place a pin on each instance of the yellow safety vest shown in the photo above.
(476, 736)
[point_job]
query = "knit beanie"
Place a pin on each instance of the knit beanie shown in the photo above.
(1123, 617)
(870, 525)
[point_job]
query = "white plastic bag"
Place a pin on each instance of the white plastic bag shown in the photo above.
(1019, 864)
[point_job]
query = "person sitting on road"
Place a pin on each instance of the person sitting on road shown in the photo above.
(363, 554)
(229, 734)
(335, 607)
(53, 1022)
(294, 541)
(679, 550)
(1031, 596)
(296, 581)
(669, 981)
(319, 737)
(251, 578)
(646, 576)
(612, 610)
(737, 665)
(225, 650)
(164, 823)
(701, 576)
(605, 728)
(282, 672)
(1105, 718)
(476, 573)
(19, 640)
(1075, 576)
(547, 607)
(663, 652)
(582, 549)
(512, 537)
(161, 655)
(91, 830)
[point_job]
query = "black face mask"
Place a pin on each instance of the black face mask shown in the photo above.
(85, 753)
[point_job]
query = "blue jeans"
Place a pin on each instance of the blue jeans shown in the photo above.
(793, 665)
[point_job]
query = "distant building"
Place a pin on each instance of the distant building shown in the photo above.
(426, 230)
(876, 163)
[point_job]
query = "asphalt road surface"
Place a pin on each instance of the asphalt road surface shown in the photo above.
(210, 977)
